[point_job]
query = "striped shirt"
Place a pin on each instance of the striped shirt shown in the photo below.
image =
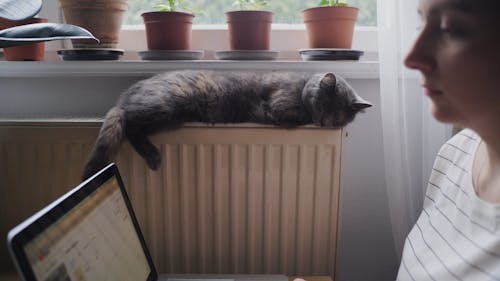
(457, 236)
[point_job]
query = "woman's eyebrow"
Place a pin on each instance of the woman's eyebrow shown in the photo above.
(427, 10)
(459, 5)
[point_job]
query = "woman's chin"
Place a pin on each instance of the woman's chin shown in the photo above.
(441, 115)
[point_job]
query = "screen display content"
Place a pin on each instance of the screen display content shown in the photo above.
(96, 240)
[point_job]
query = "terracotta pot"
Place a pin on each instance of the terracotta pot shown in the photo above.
(330, 27)
(30, 52)
(103, 18)
(249, 30)
(168, 30)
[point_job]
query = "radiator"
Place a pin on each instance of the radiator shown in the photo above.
(227, 199)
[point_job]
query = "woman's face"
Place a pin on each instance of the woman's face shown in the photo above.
(458, 54)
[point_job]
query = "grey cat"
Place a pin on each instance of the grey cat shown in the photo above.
(167, 100)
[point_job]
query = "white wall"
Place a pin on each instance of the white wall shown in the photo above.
(366, 247)
(366, 250)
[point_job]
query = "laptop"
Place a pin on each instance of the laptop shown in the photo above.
(91, 233)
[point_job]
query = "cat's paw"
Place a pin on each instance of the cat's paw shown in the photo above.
(318, 123)
(154, 162)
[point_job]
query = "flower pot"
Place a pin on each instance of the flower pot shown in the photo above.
(30, 52)
(249, 30)
(330, 27)
(168, 30)
(103, 18)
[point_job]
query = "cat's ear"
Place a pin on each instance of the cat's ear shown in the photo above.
(328, 81)
(359, 104)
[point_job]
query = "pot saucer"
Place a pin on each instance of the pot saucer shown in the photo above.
(90, 54)
(171, 55)
(330, 54)
(247, 55)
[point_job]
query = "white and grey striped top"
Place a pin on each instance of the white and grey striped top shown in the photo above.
(457, 236)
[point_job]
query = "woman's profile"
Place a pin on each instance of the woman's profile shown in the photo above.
(457, 235)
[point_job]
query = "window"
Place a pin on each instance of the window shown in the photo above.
(286, 11)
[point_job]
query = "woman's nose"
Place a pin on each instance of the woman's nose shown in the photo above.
(420, 56)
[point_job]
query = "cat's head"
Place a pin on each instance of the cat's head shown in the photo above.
(331, 101)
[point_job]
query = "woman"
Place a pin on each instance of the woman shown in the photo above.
(457, 236)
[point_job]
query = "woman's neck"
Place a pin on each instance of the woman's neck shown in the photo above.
(486, 169)
(491, 140)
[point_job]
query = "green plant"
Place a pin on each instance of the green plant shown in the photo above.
(171, 5)
(176, 5)
(336, 3)
(250, 4)
(17, 10)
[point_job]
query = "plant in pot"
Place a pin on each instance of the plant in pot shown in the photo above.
(101, 17)
(22, 36)
(249, 27)
(330, 24)
(169, 28)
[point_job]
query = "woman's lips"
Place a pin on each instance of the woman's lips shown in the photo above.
(430, 92)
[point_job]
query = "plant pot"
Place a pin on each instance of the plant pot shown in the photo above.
(168, 30)
(30, 52)
(330, 27)
(249, 30)
(103, 18)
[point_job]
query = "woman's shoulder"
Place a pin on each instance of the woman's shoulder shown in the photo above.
(463, 139)
(461, 145)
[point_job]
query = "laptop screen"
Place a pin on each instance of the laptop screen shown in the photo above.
(95, 240)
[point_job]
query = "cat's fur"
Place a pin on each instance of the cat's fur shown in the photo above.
(167, 100)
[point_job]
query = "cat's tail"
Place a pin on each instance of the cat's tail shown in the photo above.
(107, 143)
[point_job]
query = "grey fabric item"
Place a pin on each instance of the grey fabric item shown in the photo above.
(39, 32)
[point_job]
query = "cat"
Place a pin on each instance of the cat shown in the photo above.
(167, 100)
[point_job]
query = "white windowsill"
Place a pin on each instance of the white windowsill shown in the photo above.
(347, 69)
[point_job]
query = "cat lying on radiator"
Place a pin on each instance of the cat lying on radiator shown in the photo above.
(167, 100)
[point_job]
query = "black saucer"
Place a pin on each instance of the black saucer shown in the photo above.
(247, 55)
(330, 54)
(171, 54)
(90, 54)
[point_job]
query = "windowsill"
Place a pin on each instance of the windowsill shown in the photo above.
(347, 69)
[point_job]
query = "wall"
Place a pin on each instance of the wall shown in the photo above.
(366, 250)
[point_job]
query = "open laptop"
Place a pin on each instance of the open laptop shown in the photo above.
(91, 233)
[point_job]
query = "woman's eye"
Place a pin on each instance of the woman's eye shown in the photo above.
(445, 30)
(452, 27)
(453, 31)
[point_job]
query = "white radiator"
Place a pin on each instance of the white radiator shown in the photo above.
(227, 199)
